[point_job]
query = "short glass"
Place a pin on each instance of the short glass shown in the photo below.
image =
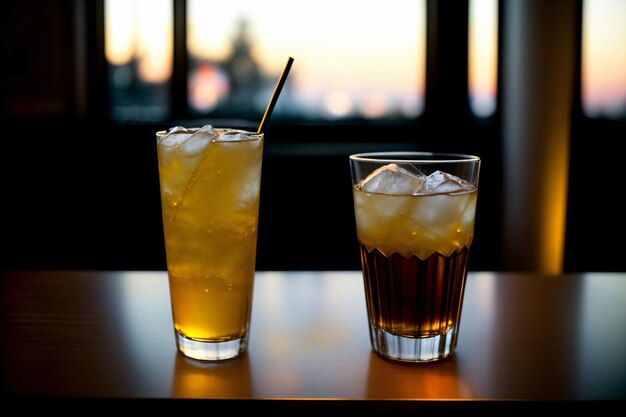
(210, 184)
(415, 216)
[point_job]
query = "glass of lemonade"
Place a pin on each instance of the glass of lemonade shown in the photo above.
(210, 183)
(415, 224)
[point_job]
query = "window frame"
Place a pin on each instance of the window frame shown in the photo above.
(311, 144)
(446, 83)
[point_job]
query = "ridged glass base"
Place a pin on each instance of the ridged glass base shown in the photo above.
(211, 351)
(427, 349)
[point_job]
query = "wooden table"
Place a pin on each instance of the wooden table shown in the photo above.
(526, 341)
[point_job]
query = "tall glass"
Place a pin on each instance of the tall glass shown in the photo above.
(210, 184)
(415, 224)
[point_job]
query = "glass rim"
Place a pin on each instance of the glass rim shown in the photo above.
(413, 157)
(192, 130)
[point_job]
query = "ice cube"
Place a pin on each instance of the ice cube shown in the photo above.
(180, 153)
(174, 137)
(442, 182)
(178, 129)
(233, 135)
(198, 141)
(393, 179)
(191, 141)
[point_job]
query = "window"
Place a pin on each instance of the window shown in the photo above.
(483, 56)
(373, 70)
(237, 49)
(138, 49)
(603, 68)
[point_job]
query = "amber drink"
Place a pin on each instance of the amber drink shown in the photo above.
(210, 183)
(415, 224)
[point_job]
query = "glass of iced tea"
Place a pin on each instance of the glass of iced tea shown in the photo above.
(210, 182)
(415, 224)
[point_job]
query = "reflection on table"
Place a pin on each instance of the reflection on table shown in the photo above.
(109, 335)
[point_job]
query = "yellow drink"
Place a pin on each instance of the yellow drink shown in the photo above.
(210, 200)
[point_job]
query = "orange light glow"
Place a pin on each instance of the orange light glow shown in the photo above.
(554, 202)
(207, 86)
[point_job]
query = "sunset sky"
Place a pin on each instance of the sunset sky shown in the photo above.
(604, 57)
(375, 56)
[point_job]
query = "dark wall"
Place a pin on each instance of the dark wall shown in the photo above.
(79, 192)
(595, 219)
(86, 196)
(80, 196)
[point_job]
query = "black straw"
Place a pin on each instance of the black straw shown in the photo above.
(274, 99)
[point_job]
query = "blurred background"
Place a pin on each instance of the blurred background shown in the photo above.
(536, 88)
